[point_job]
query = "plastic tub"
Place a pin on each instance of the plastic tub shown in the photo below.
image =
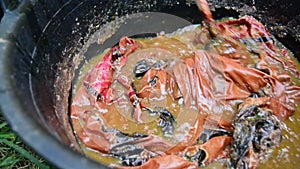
(39, 45)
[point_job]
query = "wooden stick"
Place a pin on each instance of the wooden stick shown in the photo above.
(208, 18)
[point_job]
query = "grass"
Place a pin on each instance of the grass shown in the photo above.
(14, 153)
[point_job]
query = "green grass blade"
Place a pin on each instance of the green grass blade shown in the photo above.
(23, 152)
(9, 161)
(8, 135)
(5, 130)
(4, 148)
(3, 125)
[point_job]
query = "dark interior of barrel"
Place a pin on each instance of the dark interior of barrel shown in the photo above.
(89, 17)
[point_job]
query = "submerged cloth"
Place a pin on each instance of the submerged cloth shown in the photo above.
(188, 84)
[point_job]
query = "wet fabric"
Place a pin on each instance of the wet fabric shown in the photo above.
(172, 101)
